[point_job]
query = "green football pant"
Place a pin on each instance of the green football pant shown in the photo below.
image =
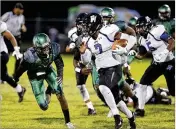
(38, 88)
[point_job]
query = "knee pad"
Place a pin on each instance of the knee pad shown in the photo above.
(43, 106)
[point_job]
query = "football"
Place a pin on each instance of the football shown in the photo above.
(120, 42)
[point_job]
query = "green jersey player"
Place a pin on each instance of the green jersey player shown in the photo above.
(164, 18)
(37, 62)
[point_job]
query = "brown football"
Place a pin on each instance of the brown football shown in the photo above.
(120, 42)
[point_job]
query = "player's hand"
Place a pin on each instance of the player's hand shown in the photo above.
(82, 48)
(17, 53)
(119, 50)
(70, 47)
(161, 57)
(85, 71)
(15, 78)
(132, 53)
(126, 70)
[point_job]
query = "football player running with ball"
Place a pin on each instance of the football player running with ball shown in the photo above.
(99, 44)
(37, 62)
(156, 40)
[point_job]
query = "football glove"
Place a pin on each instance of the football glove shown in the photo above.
(17, 53)
(119, 50)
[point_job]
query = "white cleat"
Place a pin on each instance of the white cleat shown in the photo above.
(110, 114)
(70, 125)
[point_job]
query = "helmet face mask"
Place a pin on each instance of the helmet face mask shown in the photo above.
(143, 26)
(41, 44)
(80, 22)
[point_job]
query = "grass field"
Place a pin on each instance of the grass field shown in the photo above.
(28, 115)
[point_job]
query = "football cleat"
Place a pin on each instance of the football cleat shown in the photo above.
(118, 121)
(91, 112)
(21, 94)
(70, 125)
(140, 112)
(132, 122)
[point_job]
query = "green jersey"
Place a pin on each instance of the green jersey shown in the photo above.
(38, 67)
(169, 25)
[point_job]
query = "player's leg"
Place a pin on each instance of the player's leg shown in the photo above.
(118, 79)
(106, 76)
(81, 80)
(38, 89)
(95, 83)
(57, 89)
(5, 77)
(150, 75)
(169, 74)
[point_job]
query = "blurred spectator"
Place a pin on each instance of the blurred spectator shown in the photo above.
(15, 21)
(53, 34)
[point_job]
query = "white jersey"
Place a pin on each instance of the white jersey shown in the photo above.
(3, 27)
(13, 22)
(101, 47)
(154, 43)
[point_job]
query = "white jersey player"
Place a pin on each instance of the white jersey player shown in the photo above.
(160, 44)
(4, 59)
(109, 68)
(76, 34)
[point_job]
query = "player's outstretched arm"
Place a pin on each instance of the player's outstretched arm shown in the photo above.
(21, 69)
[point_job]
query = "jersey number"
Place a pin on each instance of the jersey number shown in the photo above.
(149, 47)
(99, 47)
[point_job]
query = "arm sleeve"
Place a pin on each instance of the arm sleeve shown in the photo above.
(21, 69)
(59, 65)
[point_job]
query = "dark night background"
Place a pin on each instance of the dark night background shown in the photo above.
(59, 9)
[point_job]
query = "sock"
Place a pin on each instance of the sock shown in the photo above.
(66, 115)
(123, 108)
(149, 93)
(84, 92)
(141, 93)
(90, 105)
(109, 98)
(18, 88)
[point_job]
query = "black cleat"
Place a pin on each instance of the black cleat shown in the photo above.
(132, 122)
(21, 94)
(91, 112)
(140, 112)
(118, 121)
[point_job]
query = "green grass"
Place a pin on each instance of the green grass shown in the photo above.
(29, 115)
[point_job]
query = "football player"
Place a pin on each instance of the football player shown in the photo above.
(81, 70)
(164, 18)
(108, 16)
(99, 44)
(156, 40)
(5, 58)
(37, 62)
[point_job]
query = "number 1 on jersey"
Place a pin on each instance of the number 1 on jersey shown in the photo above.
(99, 47)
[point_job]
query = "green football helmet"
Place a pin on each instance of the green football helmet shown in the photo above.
(132, 21)
(41, 43)
(164, 12)
(108, 15)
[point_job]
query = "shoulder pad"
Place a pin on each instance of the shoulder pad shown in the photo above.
(157, 31)
(29, 55)
(121, 24)
(71, 32)
(3, 27)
